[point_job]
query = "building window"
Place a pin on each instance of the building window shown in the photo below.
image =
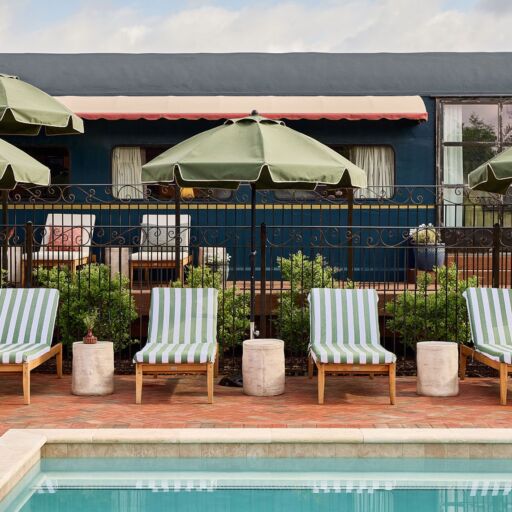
(56, 158)
(127, 162)
(472, 132)
(377, 160)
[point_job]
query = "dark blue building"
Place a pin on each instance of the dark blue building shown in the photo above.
(417, 123)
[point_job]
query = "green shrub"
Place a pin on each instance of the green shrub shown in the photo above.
(292, 313)
(90, 289)
(432, 315)
(234, 305)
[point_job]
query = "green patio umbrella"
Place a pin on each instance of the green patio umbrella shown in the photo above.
(495, 175)
(17, 167)
(261, 152)
(25, 109)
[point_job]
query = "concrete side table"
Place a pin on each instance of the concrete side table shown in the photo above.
(438, 368)
(93, 368)
(263, 367)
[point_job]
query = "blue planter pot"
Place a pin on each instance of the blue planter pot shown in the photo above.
(426, 257)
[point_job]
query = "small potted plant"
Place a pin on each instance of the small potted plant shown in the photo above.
(90, 319)
(429, 251)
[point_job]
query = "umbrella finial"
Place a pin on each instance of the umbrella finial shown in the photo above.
(254, 113)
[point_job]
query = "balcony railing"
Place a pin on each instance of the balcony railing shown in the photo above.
(107, 253)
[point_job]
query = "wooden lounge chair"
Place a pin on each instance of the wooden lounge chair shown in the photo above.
(66, 242)
(27, 318)
(345, 336)
(158, 245)
(182, 335)
(490, 319)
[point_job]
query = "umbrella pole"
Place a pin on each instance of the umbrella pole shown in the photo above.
(5, 220)
(253, 259)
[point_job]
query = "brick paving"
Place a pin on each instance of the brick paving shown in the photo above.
(170, 402)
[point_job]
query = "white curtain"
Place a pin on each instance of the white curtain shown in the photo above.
(379, 164)
(453, 171)
(127, 173)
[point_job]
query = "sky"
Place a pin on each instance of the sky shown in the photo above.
(172, 26)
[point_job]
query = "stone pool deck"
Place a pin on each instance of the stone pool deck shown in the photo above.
(168, 402)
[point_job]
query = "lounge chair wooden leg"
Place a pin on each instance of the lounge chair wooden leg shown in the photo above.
(463, 359)
(310, 367)
(155, 376)
(321, 383)
(371, 375)
(59, 363)
(138, 383)
(392, 383)
(503, 383)
(26, 384)
(216, 366)
(209, 377)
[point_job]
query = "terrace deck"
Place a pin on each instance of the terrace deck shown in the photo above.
(181, 403)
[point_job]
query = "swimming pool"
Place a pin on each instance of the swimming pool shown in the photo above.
(259, 484)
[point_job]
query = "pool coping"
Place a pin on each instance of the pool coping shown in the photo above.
(21, 449)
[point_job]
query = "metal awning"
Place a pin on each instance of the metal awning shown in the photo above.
(353, 108)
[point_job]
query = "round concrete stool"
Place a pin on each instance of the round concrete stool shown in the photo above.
(93, 368)
(438, 368)
(263, 367)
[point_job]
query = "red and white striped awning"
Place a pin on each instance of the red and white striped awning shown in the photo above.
(223, 107)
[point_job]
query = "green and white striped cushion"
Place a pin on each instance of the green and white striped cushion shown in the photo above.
(345, 327)
(27, 319)
(177, 353)
(182, 326)
(490, 319)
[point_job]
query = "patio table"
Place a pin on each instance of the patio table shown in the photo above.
(437, 368)
(93, 368)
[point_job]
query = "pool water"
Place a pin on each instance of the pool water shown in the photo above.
(298, 485)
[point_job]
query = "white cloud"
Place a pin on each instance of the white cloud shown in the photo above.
(335, 26)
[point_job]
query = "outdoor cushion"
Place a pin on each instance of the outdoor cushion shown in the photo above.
(490, 317)
(27, 318)
(177, 353)
(156, 255)
(22, 352)
(182, 326)
(355, 354)
(161, 238)
(64, 238)
(44, 255)
(501, 353)
(345, 327)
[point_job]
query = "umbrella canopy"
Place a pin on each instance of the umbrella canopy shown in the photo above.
(24, 109)
(256, 150)
(495, 175)
(18, 167)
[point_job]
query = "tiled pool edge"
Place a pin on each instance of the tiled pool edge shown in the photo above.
(20, 449)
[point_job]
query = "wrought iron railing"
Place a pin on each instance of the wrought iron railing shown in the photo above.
(325, 238)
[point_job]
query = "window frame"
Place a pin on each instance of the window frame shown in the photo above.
(28, 147)
(500, 101)
(337, 146)
(145, 146)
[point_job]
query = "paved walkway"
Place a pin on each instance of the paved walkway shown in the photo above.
(181, 402)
